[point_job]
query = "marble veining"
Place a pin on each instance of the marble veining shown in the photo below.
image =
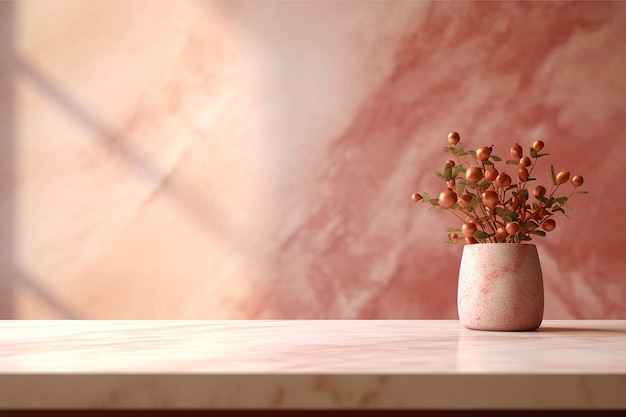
(255, 160)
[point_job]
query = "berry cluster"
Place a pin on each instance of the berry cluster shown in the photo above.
(495, 208)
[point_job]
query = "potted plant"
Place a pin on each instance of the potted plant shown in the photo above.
(500, 282)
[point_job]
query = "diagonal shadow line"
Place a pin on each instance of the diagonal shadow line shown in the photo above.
(7, 298)
(113, 140)
(161, 179)
(207, 216)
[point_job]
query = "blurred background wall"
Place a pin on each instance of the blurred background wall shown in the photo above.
(229, 160)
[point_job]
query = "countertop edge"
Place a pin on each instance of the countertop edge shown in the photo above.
(313, 391)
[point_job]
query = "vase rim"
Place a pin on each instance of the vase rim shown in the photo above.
(501, 244)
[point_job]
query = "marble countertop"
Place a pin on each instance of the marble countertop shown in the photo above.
(310, 364)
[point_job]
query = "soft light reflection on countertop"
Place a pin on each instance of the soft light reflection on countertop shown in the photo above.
(286, 354)
(318, 346)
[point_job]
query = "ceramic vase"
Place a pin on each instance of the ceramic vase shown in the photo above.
(500, 287)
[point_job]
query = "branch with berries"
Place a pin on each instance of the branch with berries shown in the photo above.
(491, 206)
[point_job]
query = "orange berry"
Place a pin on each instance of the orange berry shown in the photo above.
(468, 229)
(537, 145)
(549, 225)
(522, 174)
(465, 200)
(416, 197)
(451, 163)
(491, 174)
(518, 201)
(453, 138)
(516, 151)
(454, 237)
(539, 191)
(525, 161)
(577, 181)
(470, 240)
(483, 153)
(474, 174)
(512, 228)
(490, 199)
(503, 180)
(562, 177)
(501, 234)
(447, 199)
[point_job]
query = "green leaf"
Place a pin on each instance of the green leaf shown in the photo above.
(467, 183)
(541, 198)
(523, 193)
(460, 189)
(457, 170)
(479, 234)
(447, 173)
(582, 192)
(558, 209)
(539, 155)
(533, 152)
(526, 238)
(440, 175)
(496, 158)
(512, 162)
(552, 175)
(453, 230)
(506, 215)
(531, 225)
(451, 149)
(473, 153)
(474, 203)
(484, 184)
(428, 199)
(538, 232)
(561, 200)
(550, 202)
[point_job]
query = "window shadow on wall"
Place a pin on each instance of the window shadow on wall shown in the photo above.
(206, 216)
(11, 276)
(15, 68)
(8, 269)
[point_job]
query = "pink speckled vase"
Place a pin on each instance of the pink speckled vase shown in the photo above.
(500, 287)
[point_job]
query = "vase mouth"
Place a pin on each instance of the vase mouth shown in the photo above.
(500, 244)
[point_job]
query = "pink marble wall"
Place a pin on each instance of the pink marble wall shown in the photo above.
(256, 159)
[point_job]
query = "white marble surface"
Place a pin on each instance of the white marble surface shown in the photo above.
(310, 364)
